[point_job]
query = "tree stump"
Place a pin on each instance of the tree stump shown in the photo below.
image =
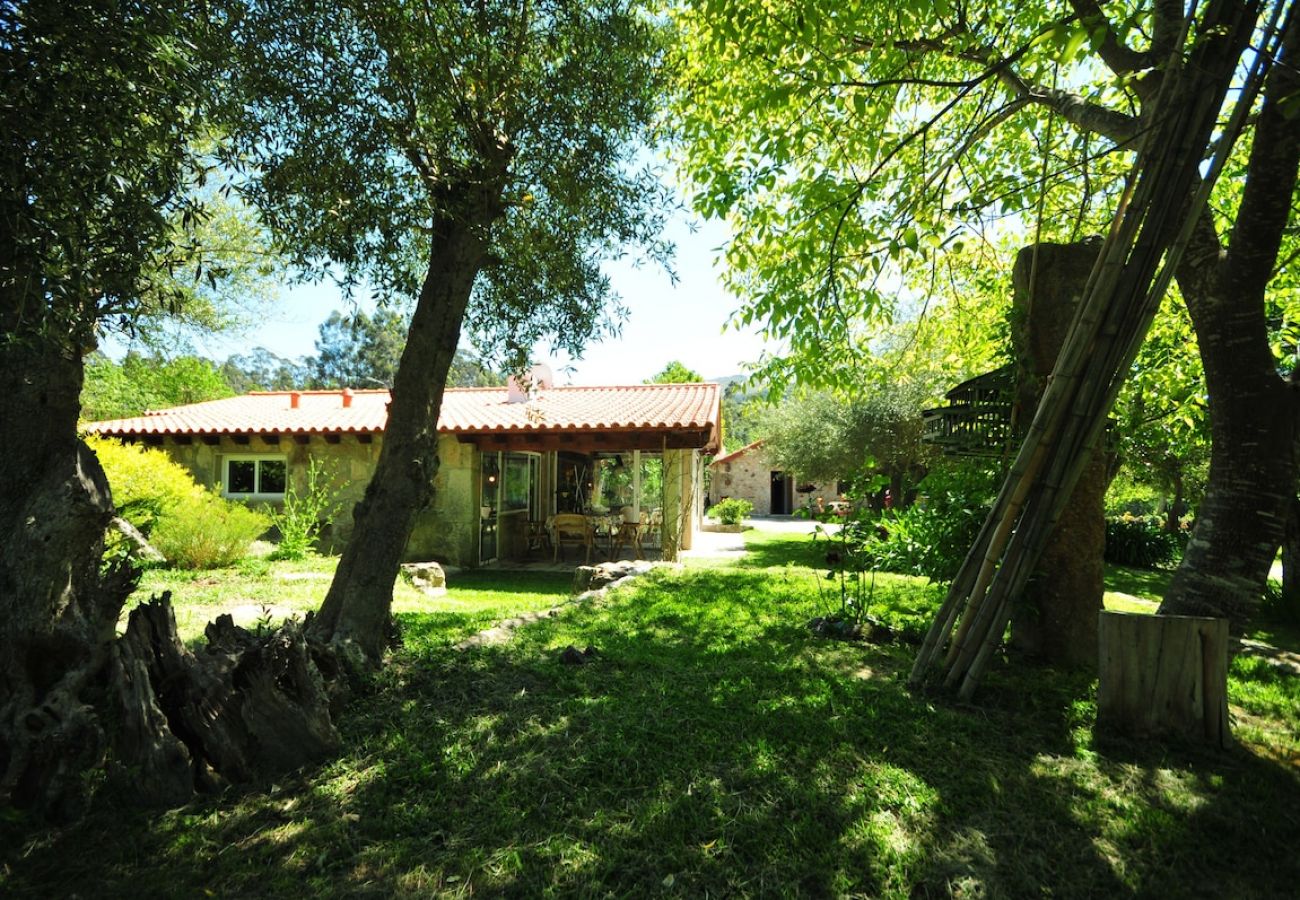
(1163, 675)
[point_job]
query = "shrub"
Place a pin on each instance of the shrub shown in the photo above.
(303, 516)
(933, 536)
(191, 526)
(1142, 542)
(731, 511)
(203, 531)
(145, 482)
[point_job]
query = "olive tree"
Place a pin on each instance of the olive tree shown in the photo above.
(477, 159)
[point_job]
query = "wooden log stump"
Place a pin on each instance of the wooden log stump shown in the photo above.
(1163, 675)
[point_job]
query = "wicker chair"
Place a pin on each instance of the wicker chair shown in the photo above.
(574, 530)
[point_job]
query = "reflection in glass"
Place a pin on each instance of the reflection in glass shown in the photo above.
(241, 476)
(273, 476)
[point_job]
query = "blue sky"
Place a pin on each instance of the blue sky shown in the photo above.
(667, 321)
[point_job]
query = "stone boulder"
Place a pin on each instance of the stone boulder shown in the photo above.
(593, 578)
(426, 577)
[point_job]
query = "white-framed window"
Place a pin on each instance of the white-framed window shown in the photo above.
(262, 477)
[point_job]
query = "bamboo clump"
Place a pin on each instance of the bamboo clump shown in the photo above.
(1153, 223)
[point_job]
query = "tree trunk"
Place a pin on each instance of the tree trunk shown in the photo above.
(57, 609)
(1254, 413)
(73, 697)
(1055, 619)
(1291, 563)
(355, 616)
(1177, 506)
(1290, 608)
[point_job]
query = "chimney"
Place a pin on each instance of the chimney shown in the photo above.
(347, 398)
(294, 397)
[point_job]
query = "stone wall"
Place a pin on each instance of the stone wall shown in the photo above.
(447, 531)
(347, 467)
(749, 477)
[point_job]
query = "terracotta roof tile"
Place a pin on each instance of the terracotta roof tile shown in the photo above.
(736, 453)
(464, 410)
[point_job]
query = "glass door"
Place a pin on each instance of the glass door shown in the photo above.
(489, 506)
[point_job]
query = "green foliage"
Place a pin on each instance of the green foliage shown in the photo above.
(303, 514)
(741, 411)
(139, 383)
(933, 536)
(850, 583)
(675, 372)
(262, 370)
(854, 148)
(1142, 542)
(1125, 495)
(103, 119)
(358, 350)
(191, 526)
(364, 351)
(822, 437)
(731, 511)
(362, 123)
(1161, 416)
(146, 484)
(203, 531)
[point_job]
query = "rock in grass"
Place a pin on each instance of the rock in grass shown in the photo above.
(572, 656)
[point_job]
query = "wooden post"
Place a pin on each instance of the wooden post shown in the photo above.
(1163, 675)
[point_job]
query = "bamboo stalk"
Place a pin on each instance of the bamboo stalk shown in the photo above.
(1128, 310)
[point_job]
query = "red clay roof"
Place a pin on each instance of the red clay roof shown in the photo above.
(651, 407)
(736, 453)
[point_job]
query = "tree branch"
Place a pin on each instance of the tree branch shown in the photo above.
(1119, 58)
(1271, 174)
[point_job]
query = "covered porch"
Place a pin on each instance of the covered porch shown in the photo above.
(592, 501)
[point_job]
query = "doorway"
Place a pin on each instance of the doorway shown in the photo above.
(781, 494)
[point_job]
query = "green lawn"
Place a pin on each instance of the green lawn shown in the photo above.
(261, 590)
(713, 747)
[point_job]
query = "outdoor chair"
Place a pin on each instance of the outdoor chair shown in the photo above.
(539, 536)
(574, 530)
(629, 533)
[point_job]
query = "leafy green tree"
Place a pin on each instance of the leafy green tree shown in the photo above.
(474, 159)
(358, 350)
(741, 413)
(827, 438)
(1162, 434)
(878, 137)
(675, 372)
(364, 351)
(262, 370)
(118, 390)
(102, 108)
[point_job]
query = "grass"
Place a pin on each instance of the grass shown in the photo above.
(712, 747)
(261, 591)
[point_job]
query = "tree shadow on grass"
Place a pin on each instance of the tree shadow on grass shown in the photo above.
(766, 550)
(1145, 583)
(710, 745)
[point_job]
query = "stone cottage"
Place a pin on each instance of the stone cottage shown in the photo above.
(509, 458)
(749, 474)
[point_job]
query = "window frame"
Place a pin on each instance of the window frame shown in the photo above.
(257, 459)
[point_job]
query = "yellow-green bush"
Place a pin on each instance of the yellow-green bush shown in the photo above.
(205, 531)
(145, 482)
(191, 526)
